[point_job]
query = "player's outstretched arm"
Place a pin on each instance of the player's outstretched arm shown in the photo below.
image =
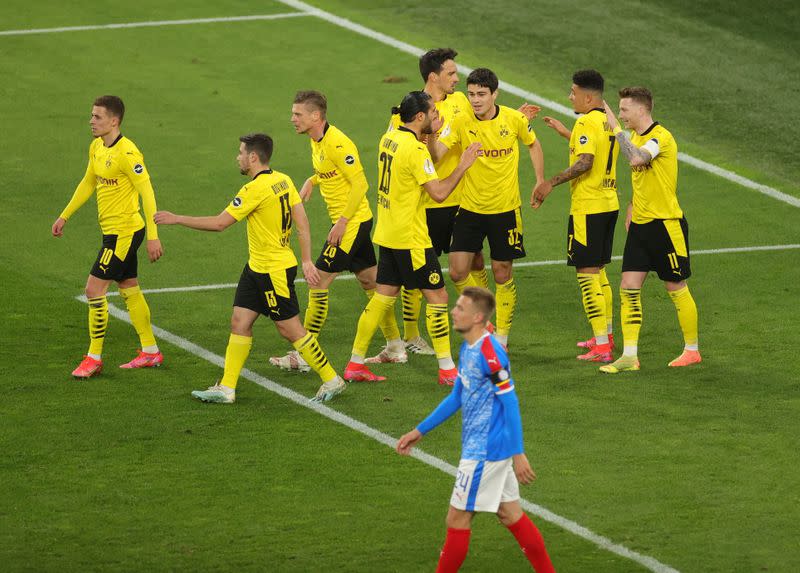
(213, 223)
(556, 125)
(543, 189)
(436, 148)
(439, 190)
(636, 156)
(529, 110)
(300, 219)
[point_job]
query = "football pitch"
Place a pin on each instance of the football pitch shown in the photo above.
(660, 470)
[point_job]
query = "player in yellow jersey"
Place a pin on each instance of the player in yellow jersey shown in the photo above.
(658, 234)
(116, 171)
(340, 175)
(406, 256)
(272, 206)
(594, 206)
(490, 201)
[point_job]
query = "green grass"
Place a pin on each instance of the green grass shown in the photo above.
(126, 472)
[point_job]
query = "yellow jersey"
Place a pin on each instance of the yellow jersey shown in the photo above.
(267, 203)
(404, 166)
(118, 174)
(491, 185)
(449, 108)
(596, 190)
(336, 163)
(655, 185)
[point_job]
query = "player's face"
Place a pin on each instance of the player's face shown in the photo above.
(244, 160)
(630, 112)
(102, 122)
(581, 99)
(465, 315)
(448, 77)
(430, 117)
(481, 99)
(303, 117)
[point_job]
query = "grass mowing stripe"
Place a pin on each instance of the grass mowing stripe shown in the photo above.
(649, 562)
(340, 277)
(536, 98)
(154, 23)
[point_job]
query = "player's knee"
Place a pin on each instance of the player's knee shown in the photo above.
(457, 275)
(509, 514)
(501, 272)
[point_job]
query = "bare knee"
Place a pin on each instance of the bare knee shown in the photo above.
(502, 271)
(459, 519)
(509, 513)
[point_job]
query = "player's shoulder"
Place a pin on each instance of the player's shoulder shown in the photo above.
(459, 98)
(128, 146)
(493, 352)
(660, 133)
(510, 112)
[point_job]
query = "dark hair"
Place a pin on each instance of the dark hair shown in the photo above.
(638, 94)
(258, 143)
(482, 298)
(412, 104)
(113, 104)
(483, 77)
(433, 60)
(313, 98)
(589, 80)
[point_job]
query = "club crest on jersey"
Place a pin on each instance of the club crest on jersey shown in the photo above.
(583, 139)
(236, 201)
(108, 161)
(349, 159)
(428, 167)
(434, 278)
(503, 131)
(138, 168)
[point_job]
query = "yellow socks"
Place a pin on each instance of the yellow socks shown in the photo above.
(687, 316)
(412, 303)
(593, 305)
(461, 285)
(139, 312)
(506, 295)
(438, 323)
(480, 278)
(310, 350)
(378, 306)
(98, 322)
(388, 324)
(608, 295)
(631, 317)
(235, 356)
(317, 311)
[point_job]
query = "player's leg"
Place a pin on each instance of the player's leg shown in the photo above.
(478, 271)
(394, 351)
(468, 235)
(506, 296)
(631, 313)
(527, 535)
(381, 303)
(456, 543)
(608, 297)
(425, 272)
(506, 244)
(95, 291)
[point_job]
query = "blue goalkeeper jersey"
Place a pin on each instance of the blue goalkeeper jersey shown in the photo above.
(484, 391)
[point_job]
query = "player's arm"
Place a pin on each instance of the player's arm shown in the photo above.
(542, 190)
(300, 220)
(446, 408)
(211, 223)
(439, 190)
(145, 190)
(436, 147)
(82, 193)
(350, 167)
(636, 156)
(557, 126)
(308, 188)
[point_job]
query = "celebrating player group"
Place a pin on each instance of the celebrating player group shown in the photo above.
(447, 182)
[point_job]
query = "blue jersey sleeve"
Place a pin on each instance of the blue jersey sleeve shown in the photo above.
(444, 410)
(513, 420)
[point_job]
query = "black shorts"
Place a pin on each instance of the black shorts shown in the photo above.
(354, 253)
(117, 258)
(270, 294)
(504, 231)
(590, 239)
(410, 268)
(440, 227)
(662, 245)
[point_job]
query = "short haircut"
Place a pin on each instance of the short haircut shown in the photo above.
(433, 60)
(315, 99)
(589, 80)
(483, 77)
(482, 298)
(412, 104)
(638, 94)
(258, 143)
(113, 104)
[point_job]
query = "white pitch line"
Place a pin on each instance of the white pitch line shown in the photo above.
(535, 98)
(536, 509)
(349, 276)
(154, 23)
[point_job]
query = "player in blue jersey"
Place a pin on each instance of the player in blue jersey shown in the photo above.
(493, 460)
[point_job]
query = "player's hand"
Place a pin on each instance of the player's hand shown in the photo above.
(311, 273)
(470, 154)
(408, 441)
(523, 469)
(337, 232)
(58, 227)
(610, 117)
(154, 249)
(529, 110)
(540, 193)
(553, 123)
(306, 190)
(437, 124)
(165, 218)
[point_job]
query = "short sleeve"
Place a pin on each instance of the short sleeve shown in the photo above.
(294, 196)
(652, 147)
(450, 135)
(585, 137)
(525, 131)
(245, 202)
(422, 166)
